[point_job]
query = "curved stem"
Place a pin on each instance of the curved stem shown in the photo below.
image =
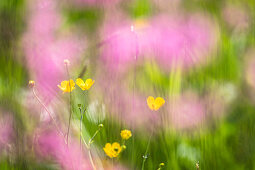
(70, 105)
(91, 160)
(46, 109)
(81, 127)
(89, 152)
(84, 141)
(91, 140)
(80, 131)
(88, 147)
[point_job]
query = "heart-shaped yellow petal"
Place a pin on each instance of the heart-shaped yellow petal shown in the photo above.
(155, 104)
(84, 85)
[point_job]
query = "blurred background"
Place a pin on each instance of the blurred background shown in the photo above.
(198, 55)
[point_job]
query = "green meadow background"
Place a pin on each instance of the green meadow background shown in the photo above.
(226, 144)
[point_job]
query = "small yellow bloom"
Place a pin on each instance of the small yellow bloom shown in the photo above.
(84, 85)
(155, 104)
(112, 150)
(125, 134)
(65, 86)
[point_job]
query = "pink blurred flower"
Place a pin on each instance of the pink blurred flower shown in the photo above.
(187, 111)
(219, 99)
(185, 41)
(45, 53)
(237, 17)
(44, 18)
(170, 40)
(250, 68)
(120, 45)
(50, 144)
(94, 2)
(6, 131)
(168, 6)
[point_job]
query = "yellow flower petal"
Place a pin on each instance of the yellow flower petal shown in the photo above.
(150, 102)
(72, 83)
(155, 104)
(108, 150)
(65, 86)
(112, 150)
(159, 102)
(89, 83)
(84, 85)
(80, 83)
(116, 148)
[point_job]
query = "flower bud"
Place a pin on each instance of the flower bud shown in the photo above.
(123, 147)
(66, 62)
(31, 83)
(161, 165)
(100, 126)
(132, 28)
(197, 165)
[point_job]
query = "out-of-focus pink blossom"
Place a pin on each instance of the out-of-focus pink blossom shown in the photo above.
(184, 41)
(44, 19)
(219, 98)
(120, 45)
(45, 60)
(50, 144)
(168, 6)
(250, 68)
(187, 111)
(45, 52)
(94, 2)
(237, 17)
(170, 40)
(6, 131)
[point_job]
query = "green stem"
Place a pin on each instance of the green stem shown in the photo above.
(146, 152)
(91, 140)
(80, 127)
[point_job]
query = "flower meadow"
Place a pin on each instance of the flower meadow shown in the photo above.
(127, 85)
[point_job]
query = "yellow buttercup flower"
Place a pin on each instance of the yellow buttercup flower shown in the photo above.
(125, 134)
(112, 150)
(65, 86)
(155, 104)
(84, 85)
